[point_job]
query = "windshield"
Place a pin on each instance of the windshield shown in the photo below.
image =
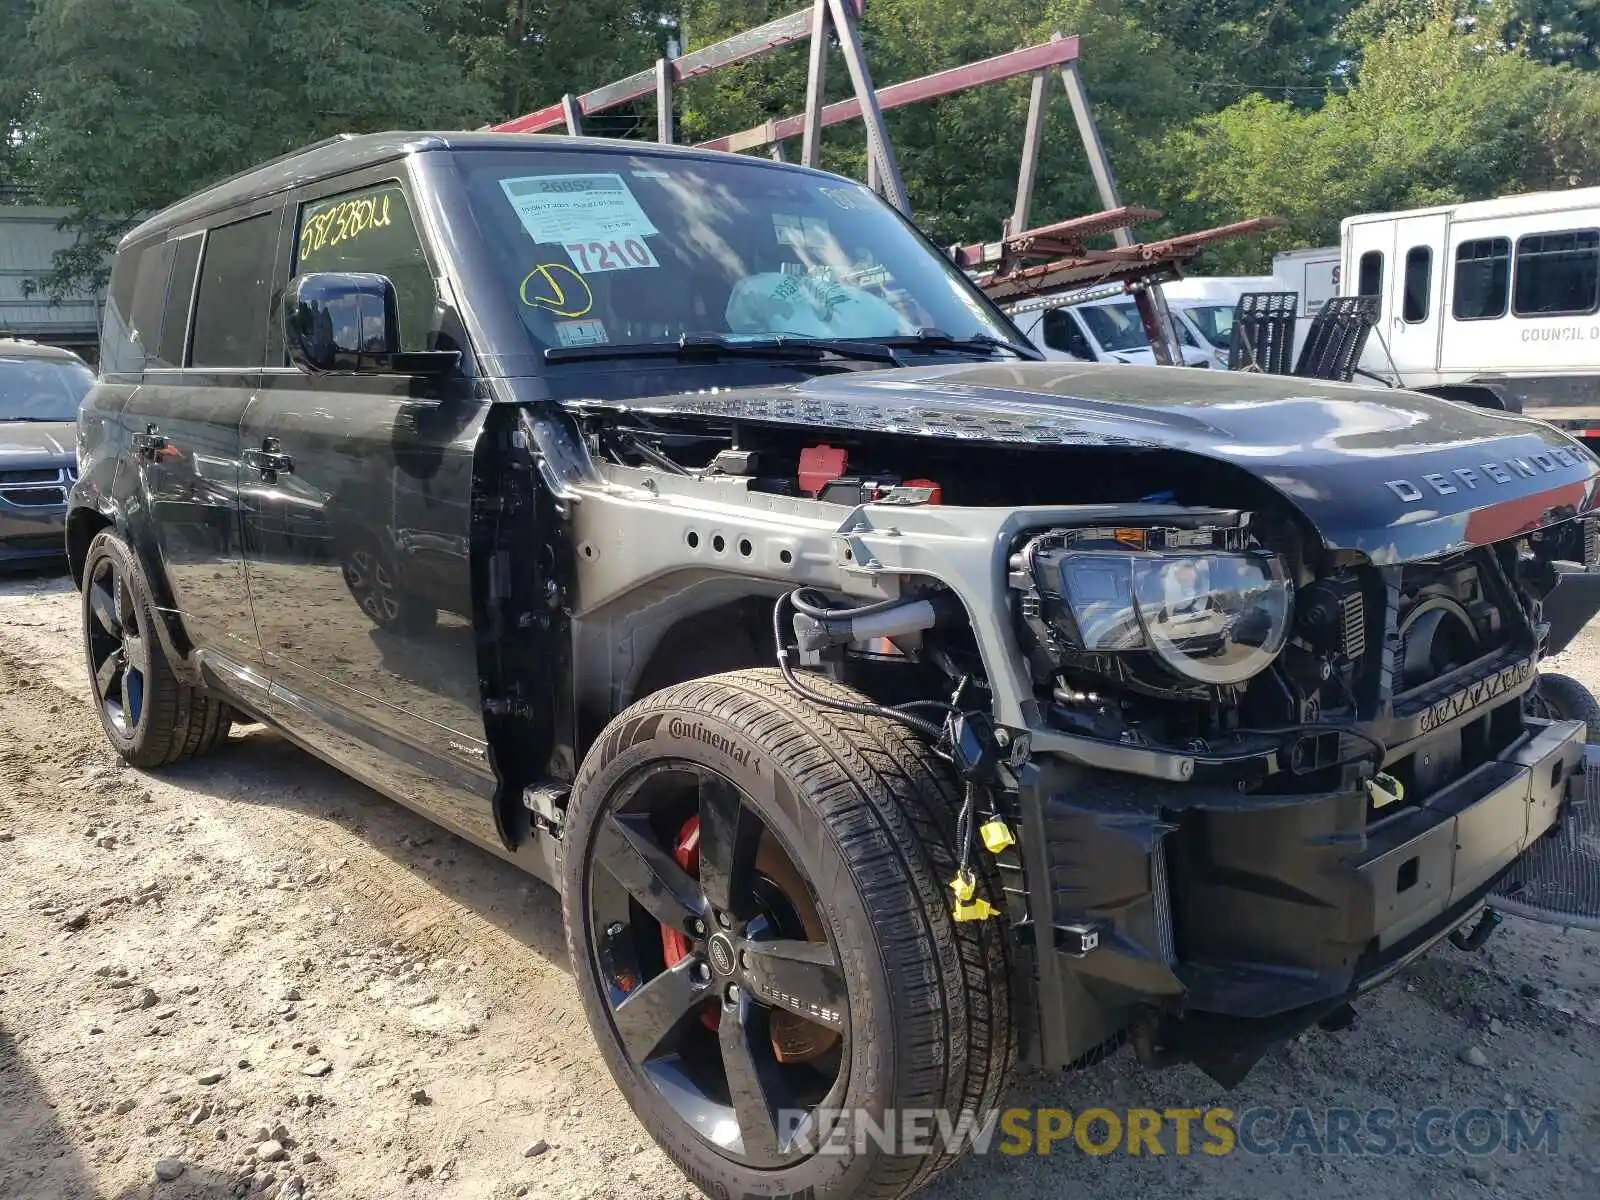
(1214, 321)
(623, 249)
(42, 389)
(1115, 326)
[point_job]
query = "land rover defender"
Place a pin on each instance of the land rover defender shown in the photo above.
(884, 702)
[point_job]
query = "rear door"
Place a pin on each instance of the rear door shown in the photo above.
(184, 425)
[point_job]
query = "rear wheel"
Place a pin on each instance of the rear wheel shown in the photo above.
(757, 913)
(150, 716)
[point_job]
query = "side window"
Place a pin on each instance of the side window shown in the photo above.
(1483, 279)
(1061, 333)
(230, 312)
(1558, 274)
(372, 231)
(1369, 274)
(1419, 283)
(118, 349)
(149, 300)
(180, 301)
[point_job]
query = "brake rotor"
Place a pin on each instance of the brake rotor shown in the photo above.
(794, 1038)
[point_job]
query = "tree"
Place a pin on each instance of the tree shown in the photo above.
(1437, 114)
(135, 103)
(1288, 49)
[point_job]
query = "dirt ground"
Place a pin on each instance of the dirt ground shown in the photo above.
(257, 976)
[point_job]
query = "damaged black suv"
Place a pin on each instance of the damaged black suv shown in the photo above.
(885, 704)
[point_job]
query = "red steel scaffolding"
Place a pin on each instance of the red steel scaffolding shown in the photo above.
(1025, 262)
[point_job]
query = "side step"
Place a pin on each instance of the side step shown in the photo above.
(1558, 880)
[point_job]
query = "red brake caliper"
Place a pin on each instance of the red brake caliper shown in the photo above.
(674, 944)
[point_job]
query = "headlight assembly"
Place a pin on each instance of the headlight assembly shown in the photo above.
(1212, 614)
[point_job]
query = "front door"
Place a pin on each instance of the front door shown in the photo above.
(357, 499)
(184, 421)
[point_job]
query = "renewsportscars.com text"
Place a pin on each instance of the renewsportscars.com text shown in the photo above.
(1149, 1132)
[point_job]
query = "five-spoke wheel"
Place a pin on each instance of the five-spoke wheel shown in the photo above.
(754, 895)
(150, 715)
(119, 656)
(723, 986)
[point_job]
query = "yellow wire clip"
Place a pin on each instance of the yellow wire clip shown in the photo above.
(969, 906)
(996, 836)
(1384, 790)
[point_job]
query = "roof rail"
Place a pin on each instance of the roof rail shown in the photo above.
(284, 157)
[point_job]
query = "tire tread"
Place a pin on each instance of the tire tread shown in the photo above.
(891, 806)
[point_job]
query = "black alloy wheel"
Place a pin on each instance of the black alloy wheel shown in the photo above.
(119, 654)
(151, 716)
(754, 891)
(713, 978)
(372, 584)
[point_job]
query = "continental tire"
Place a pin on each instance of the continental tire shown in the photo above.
(756, 901)
(151, 717)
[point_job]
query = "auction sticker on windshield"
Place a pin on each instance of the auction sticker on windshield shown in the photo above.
(578, 209)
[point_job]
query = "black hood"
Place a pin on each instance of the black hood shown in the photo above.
(1394, 475)
(37, 444)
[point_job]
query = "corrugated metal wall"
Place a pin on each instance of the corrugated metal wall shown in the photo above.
(28, 241)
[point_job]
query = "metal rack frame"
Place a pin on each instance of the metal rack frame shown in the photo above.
(998, 266)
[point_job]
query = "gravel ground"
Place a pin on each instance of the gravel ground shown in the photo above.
(251, 975)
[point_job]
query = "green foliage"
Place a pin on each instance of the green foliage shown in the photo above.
(1437, 114)
(1213, 110)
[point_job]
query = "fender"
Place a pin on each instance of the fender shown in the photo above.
(112, 485)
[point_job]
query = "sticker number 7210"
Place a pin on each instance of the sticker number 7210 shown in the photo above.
(626, 254)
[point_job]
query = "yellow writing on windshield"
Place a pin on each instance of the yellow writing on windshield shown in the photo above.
(344, 222)
(558, 288)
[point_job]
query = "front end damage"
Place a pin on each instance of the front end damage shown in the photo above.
(1248, 672)
(1206, 866)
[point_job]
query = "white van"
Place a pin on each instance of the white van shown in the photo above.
(1205, 303)
(1495, 302)
(1106, 330)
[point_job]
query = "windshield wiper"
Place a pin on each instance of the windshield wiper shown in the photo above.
(938, 339)
(712, 346)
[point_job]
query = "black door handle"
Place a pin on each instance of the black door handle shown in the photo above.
(149, 443)
(269, 460)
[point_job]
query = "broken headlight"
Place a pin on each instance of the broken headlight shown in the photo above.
(1204, 604)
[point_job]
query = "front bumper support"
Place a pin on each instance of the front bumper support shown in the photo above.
(1238, 919)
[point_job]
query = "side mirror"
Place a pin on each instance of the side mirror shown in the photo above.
(349, 322)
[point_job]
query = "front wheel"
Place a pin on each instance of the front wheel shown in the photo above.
(1563, 698)
(755, 901)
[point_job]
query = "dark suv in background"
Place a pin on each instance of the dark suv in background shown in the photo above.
(886, 704)
(40, 390)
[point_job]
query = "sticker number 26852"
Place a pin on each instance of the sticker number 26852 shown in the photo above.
(625, 255)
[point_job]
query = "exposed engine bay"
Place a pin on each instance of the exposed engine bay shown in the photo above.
(1231, 635)
(1237, 683)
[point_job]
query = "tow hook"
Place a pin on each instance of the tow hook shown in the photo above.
(1474, 938)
